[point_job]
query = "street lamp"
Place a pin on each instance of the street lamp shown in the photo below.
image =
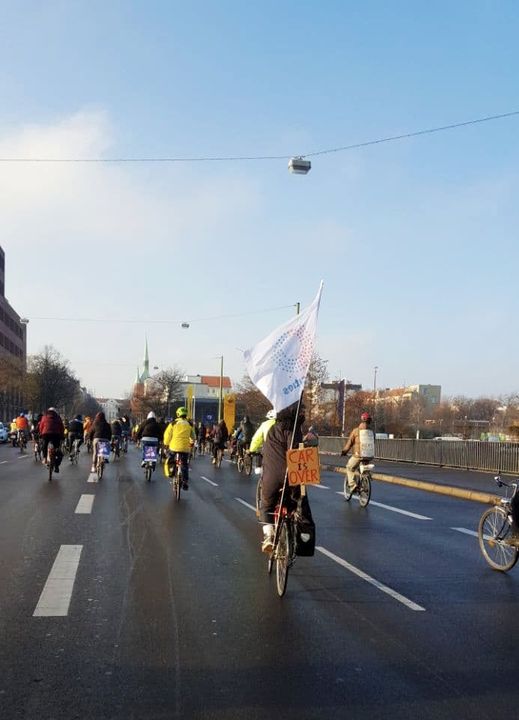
(299, 166)
(375, 398)
(220, 394)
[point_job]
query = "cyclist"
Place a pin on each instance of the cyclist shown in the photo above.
(125, 428)
(22, 426)
(100, 430)
(260, 435)
(177, 439)
(200, 437)
(35, 432)
(52, 430)
(75, 432)
(362, 444)
(247, 432)
(117, 432)
(149, 433)
(221, 435)
(280, 437)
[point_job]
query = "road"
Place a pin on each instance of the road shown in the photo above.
(163, 610)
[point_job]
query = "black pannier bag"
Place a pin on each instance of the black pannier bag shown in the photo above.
(305, 528)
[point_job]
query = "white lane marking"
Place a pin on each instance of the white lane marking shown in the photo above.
(22, 457)
(247, 505)
(321, 487)
(211, 482)
(84, 506)
(393, 509)
(466, 532)
(92, 478)
(55, 597)
(364, 576)
(3, 462)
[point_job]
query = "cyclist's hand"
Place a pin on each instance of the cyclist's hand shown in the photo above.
(343, 453)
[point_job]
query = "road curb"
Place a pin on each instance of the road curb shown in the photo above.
(460, 493)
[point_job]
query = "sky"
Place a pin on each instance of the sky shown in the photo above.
(416, 240)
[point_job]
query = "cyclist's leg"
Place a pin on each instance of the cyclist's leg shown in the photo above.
(184, 458)
(270, 487)
(94, 455)
(351, 466)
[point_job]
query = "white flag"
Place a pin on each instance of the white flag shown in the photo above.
(278, 364)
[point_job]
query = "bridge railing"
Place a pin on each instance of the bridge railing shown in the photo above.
(467, 454)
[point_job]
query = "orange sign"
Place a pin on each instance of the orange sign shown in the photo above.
(303, 466)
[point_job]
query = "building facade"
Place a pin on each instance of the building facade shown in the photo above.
(13, 353)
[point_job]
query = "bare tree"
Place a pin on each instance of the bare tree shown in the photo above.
(50, 382)
(251, 401)
(162, 390)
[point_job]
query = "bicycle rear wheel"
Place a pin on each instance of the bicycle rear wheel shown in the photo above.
(282, 556)
(239, 464)
(493, 533)
(147, 473)
(219, 455)
(100, 466)
(247, 464)
(364, 489)
(178, 483)
(258, 497)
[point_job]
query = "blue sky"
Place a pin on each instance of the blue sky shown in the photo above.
(416, 240)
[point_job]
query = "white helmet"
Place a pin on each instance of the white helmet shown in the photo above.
(150, 415)
(271, 415)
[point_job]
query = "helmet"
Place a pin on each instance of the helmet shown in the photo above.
(271, 415)
(365, 417)
(51, 409)
(181, 412)
(78, 417)
(150, 415)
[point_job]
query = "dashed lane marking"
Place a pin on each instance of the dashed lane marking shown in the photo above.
(56, 595)
(211, 482)
(321, 487)
(465, 531)
(3, 462)
(22, 457)
(85, 504)
(393, 509)
(372, 581)
(247, 505)
(92, 478)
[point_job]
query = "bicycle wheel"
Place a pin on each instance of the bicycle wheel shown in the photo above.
(100, 466)
(147, 472)
(219, 455)
(258, 497)
(493, 532)
(239, 464)
(282, 557)
(178, 483)
(247, 464)
(364, 489)
(51, 457)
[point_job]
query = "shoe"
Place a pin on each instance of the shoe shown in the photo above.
(56, 469)
(93, 469)
(352, 488)
(185, 486)
(268, 544)
(142, 463)
(213, 461)
(268, 539)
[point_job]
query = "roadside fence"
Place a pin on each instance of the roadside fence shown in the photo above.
(467, 454)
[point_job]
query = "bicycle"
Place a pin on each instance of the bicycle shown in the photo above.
(51, 459)
(21, 440)
(74, 452)
(283, 552)
(362, 484)
(219, 456)
(175, 473)
(102, 456)
(495, 530)
(116, 447)
(124, 442)
(37, 449)
(149, 461)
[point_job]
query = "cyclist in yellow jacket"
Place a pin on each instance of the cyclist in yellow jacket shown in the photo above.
(178, 438)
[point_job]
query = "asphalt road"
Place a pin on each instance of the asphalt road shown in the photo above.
(172, 614)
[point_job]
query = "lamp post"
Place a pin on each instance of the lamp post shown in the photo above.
(375, 398)
(220, 395)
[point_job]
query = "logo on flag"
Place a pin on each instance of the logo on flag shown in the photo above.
(279, 363)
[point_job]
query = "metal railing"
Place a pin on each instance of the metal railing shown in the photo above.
(467, 454)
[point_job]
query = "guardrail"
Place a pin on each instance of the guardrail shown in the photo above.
(468, 454)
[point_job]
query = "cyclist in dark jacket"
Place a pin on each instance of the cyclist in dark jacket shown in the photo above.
(221, 435)
(150, 433)
(100, 430)
(75, 432)
(277, 442)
